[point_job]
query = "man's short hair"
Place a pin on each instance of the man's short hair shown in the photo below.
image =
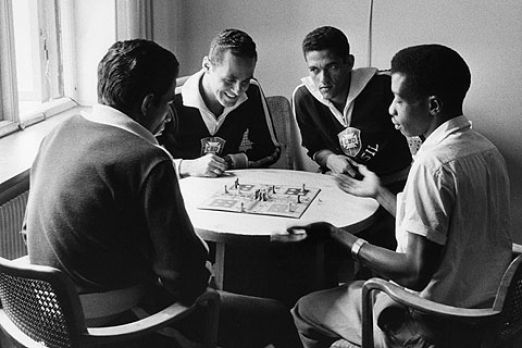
(327, 38)
(132, 69)
(239, 43)
(433, 70)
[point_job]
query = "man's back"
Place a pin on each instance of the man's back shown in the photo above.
(94, 210)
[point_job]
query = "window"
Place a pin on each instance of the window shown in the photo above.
(31, 64)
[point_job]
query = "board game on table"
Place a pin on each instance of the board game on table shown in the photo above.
(265, 199)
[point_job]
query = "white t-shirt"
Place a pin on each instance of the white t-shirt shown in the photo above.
(457, 195)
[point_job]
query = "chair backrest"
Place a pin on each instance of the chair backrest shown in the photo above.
(287, 133)
(509, 302)
(42, 304)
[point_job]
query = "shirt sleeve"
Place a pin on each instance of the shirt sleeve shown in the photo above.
(310, 138)
(424, 207)
(178, 253)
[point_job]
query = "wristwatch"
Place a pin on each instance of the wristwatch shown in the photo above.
(356, 247)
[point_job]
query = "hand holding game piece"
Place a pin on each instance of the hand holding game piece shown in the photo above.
(208, 165)
(316, 231)
(339, 164)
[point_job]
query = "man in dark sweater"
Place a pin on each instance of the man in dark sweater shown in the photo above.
(342, 114)
(216, 107)
(106, 208)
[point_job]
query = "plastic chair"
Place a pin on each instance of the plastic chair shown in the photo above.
(41, 308)
(495, 327)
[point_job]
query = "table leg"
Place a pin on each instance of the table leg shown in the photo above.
(219, 265)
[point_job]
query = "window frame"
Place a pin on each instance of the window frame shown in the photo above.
(8, 90)
(55, 20)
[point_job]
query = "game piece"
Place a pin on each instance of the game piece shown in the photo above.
(242, 207)
(303, 189)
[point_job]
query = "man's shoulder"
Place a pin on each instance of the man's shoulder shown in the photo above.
(302, 94)
(467, 146)
(254, 90)
(383, 75)
(382, 78)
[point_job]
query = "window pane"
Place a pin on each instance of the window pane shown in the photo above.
(38, 61)
(27, 48)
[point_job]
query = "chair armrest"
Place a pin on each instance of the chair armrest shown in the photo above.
(413, 300)
(156, 321)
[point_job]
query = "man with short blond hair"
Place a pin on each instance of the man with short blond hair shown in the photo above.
(217, 108)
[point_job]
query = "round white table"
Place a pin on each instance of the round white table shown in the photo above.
(331, 205)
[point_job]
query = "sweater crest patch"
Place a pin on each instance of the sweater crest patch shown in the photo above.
(213, 145)
(351, 144)
(350, 141)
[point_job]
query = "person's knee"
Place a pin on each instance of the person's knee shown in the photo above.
(303, 309)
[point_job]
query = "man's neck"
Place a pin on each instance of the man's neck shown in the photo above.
(208, 98)
(440, 119)
(340, 101)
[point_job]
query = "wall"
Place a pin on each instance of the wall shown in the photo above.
(277, 27)
(96, 32)
(488, 34)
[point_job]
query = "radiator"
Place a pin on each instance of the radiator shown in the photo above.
(12, 245)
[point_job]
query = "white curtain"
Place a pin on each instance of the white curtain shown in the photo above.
(133, 19)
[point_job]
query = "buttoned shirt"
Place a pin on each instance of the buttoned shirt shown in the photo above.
(457, 195)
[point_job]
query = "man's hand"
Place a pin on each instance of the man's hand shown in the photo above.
(316, 231)
(208, 165)
(367, 186)
(339, 164)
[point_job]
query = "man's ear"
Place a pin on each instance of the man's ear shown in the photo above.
(206, 64)
(146, 103)
(435, 105)
(350, 60)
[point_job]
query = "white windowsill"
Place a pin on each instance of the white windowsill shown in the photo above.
(48, 110)
(18, 150)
